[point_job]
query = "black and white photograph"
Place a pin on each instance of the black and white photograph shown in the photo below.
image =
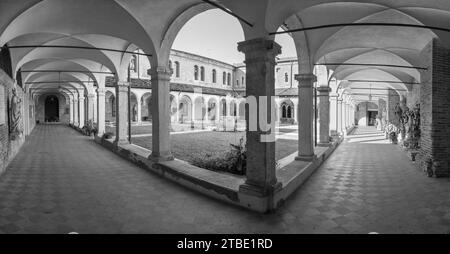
(250, 118)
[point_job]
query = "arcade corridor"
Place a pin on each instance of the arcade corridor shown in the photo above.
(62, 181)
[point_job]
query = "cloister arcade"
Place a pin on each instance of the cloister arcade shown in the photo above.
(344, 54)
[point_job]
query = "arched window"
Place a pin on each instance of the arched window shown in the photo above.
(214, 77)
(243, 81)
(237, 82)
(177, 69)
(289, 112)
(170, 67)
(196, 72)
(283, 111)
(229, 79)
(202, 73)
(286, 77)
(224, 78)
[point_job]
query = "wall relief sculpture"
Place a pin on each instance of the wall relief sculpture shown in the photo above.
(16, 115)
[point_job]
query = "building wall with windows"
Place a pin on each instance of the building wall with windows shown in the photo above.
(221, 84)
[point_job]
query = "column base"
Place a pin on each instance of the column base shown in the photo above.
(258, 198)
(324, 144)
(160, 157)
(118, 143)
(306, 157)
(258, 191)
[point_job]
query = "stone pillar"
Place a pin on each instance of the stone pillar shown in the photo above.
(139, 108)
(393, 102)
(333, 114)
(121, 113)
(305, 116)
(323, 94)
(345, 116)
(71, 111)
(81, 119)
(352, 115)
(101, 111)
(260, 63)
(95, 108)
(91, 107)
(339, 116)
(75, 112)
(161, 113)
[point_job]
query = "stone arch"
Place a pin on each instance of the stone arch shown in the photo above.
(242, 110)
(173, 108)
(110, 107)
(185, 109)
(199, 108)
(223, 107)
(212, 109)
(146, 113)
(287, 111)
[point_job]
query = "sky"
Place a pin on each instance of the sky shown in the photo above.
(215, 34)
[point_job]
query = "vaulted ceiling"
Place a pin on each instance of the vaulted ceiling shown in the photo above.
(392, 52)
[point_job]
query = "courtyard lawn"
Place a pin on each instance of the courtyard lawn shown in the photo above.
(135, 130)
(188, 146)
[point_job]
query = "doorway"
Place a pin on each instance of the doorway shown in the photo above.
(51, 109)
(372, 118)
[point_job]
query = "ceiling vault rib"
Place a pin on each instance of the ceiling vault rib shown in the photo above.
(361, 24)
(377, 65)
(65, 71)
(228, 11)
(381, 81)
(56, 82)
(377, 89)
(78, 47)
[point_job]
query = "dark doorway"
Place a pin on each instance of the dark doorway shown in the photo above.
(372, 117)
(51, 109)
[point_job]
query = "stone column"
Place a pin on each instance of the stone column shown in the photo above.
(323, 94)
(81, 121)
(161, 113)
(94, 106)
(91, 107)
(339, 116)
(139, 113)
(333, 114)
(75, 112)
(121, 113)
(101, 111)
(344, 116)
(71, 110)
(260, 63)
(305, 117)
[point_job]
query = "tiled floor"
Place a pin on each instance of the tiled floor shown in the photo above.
(62, 182)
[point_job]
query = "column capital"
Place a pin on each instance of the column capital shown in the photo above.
(101, 91)
(259, 49)
(122, 83)
(160, 73)
(91, 96)
(323, 91)
(122, 86)
(305, 80)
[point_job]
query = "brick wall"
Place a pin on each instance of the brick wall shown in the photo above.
(393, 100)
(435, 110)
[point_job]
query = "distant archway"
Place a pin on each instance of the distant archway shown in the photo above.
(52, 109)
